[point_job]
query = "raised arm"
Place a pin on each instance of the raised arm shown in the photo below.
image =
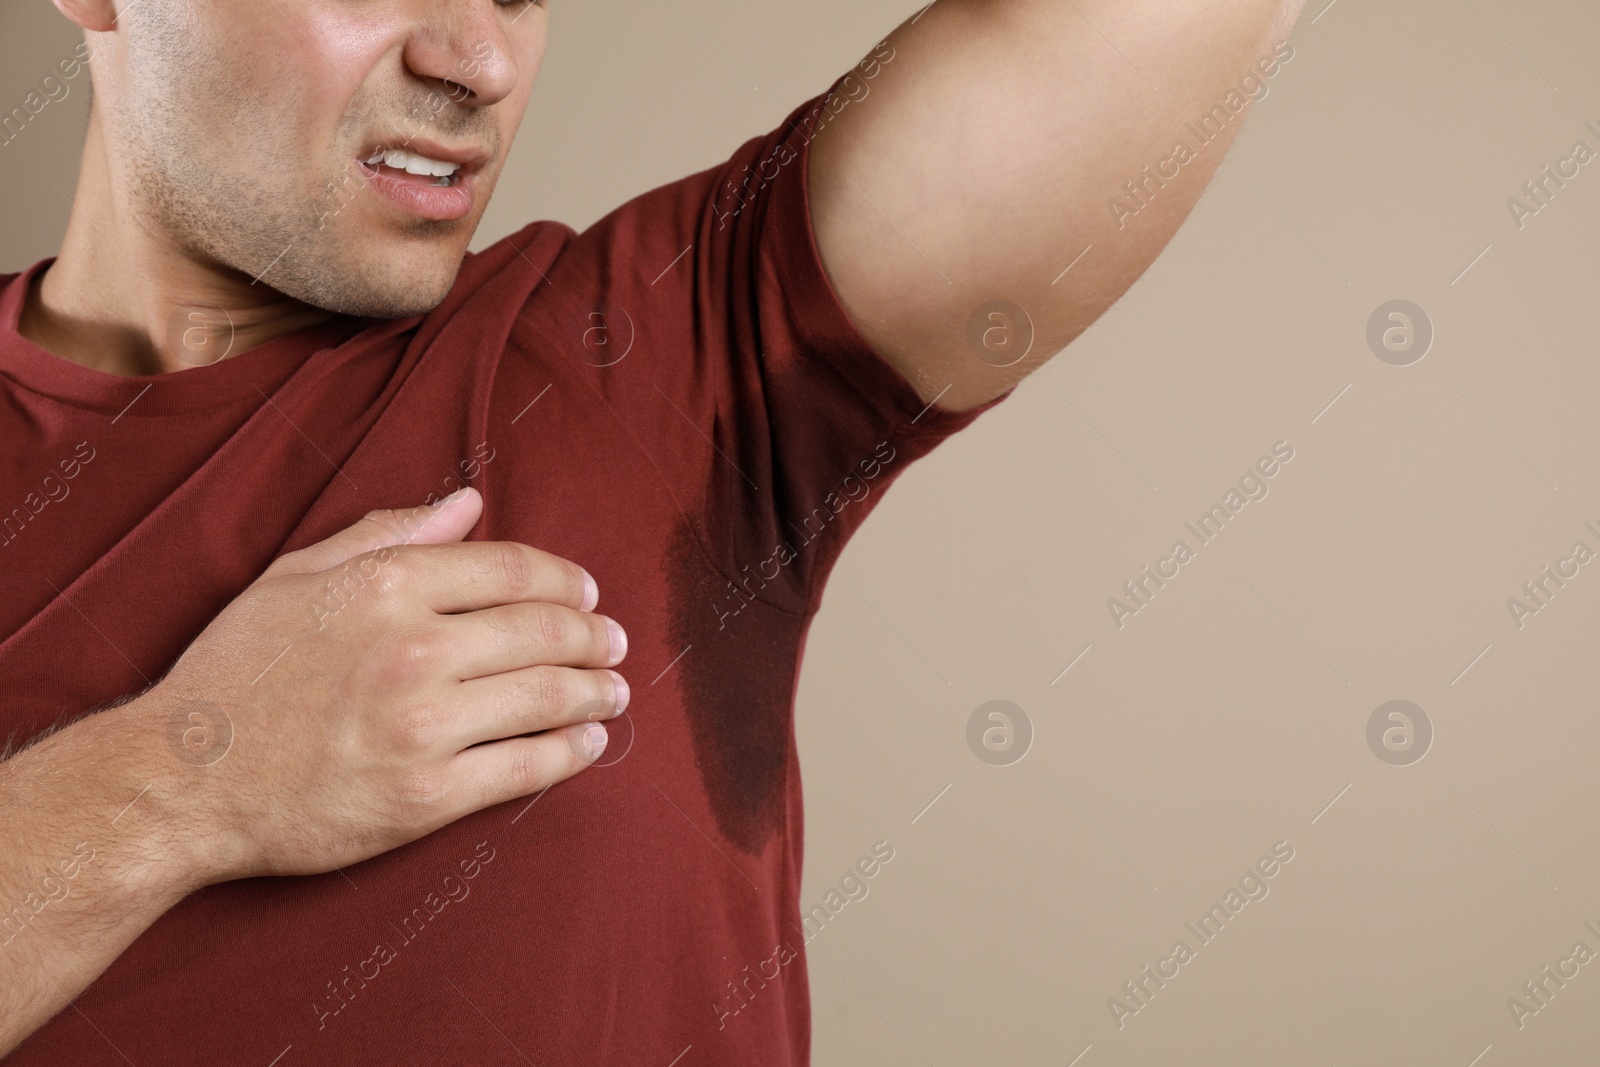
(997, 155)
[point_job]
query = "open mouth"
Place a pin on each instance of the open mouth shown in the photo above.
(425, 179)
(415, 168)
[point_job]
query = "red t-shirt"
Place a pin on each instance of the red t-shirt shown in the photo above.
(674, 399)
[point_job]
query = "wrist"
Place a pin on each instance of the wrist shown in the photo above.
(161, 829)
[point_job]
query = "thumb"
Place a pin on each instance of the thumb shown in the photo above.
(443, 521)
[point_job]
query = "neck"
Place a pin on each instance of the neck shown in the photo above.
(125, 299)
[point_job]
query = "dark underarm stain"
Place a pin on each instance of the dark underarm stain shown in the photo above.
(737, 682)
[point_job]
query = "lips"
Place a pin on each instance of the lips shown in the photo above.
(425, 178)
(403, 164)
(421, 195)
(435, 153)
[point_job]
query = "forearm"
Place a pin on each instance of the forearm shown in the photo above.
(92, 852)
(987, 156)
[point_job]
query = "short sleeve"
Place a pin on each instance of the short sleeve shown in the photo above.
(720, 344)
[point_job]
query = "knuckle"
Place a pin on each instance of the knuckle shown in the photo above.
(383, 518)
(550, 626)
(371, 575)
(412, 655)
(421, 791)
(576, 581)
(610, 691)
(548, 692)
(284, 583)
(514, 567)
(392, 573)
(420, 725)
(527, 769)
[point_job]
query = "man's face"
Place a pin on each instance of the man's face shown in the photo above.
(251, 135)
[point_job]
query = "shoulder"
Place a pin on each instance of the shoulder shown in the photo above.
(521, 260)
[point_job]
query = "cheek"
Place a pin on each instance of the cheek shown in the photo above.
(302, 66)
(328, 44)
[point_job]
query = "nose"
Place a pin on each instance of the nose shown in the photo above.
(463, 46)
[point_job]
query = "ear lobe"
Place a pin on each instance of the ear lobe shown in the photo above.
(99, 16)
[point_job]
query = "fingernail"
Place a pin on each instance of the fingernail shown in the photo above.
(591, 593)
(623, 692)
(619, 640)
(440, 505)
(594, 741)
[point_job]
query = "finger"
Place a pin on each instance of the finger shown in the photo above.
(505, 770)
(513, 636)
(534, 699)
(443, 521)
(450, 578)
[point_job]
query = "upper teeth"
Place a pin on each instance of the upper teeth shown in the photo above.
(412, 163)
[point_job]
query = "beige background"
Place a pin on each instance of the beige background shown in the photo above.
(1230, 712)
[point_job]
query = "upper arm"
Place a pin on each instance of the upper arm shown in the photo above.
(985, 155)
(732, 366)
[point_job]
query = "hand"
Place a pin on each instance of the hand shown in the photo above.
(420, 680)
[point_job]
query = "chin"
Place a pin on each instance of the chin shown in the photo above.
(376, 291)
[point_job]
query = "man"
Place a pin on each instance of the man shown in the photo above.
(283, 742)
